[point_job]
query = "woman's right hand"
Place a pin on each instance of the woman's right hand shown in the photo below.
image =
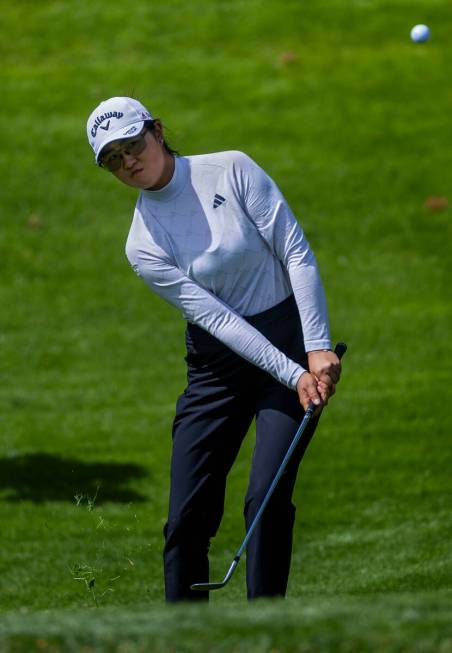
(309, 389)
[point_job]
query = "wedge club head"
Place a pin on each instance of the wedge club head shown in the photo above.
(216, 586)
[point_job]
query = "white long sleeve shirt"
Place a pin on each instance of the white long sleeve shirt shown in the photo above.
(219, 242)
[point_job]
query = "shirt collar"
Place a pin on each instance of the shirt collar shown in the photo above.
(175, 185)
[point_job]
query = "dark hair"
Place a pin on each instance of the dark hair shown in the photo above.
(150, 126)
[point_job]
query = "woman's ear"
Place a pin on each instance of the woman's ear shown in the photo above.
(158, 131)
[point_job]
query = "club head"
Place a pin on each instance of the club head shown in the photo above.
(207, 587)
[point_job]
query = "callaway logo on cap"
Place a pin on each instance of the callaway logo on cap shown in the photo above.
(118, 117)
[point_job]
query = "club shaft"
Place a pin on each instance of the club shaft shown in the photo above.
(296, 439)
(275, 481)
(339, 350)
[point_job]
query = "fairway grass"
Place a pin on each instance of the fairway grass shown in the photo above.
(352, 120)
(402, 623)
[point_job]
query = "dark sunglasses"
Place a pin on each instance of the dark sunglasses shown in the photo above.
(112, 160)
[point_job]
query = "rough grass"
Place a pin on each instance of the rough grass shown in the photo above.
(352, 120)
(401, 623)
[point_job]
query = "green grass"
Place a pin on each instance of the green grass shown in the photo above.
(355, 127)
(360, 625)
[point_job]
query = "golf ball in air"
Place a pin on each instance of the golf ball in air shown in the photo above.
(420, 33)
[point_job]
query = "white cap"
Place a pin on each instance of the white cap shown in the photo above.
(118, 117)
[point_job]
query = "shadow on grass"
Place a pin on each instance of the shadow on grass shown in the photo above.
(44, 477)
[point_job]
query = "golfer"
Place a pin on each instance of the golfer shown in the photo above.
(213, 236)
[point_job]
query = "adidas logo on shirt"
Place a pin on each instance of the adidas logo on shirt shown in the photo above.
(218, 200)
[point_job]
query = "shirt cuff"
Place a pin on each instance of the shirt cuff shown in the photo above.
(314, 345)
(295, 376)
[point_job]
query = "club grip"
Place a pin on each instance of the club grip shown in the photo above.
(340, 349)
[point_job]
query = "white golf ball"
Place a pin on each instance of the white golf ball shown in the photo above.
(420, 33)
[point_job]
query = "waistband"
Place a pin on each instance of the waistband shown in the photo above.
(276, 312)
(197, 339)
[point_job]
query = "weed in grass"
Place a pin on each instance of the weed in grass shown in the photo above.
(87, 575)
(98, 570)
(80, 497)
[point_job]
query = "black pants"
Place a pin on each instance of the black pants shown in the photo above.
(213, 415)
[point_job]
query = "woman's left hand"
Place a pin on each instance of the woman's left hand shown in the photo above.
(326, 367)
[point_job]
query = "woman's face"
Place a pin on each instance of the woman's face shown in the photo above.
(151, 168)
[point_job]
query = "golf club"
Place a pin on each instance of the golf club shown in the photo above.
(339, 350)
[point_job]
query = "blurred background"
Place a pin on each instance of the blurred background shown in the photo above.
(352, 120)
